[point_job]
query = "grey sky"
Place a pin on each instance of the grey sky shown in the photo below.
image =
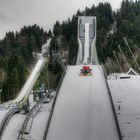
(16, 13)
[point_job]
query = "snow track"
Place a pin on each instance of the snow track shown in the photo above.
(83, 110)
(25, 127)
(12, 129)
(6, 119)
(25, 91)
(126, 98)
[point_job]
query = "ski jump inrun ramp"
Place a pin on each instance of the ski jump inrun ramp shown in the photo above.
(83, 108)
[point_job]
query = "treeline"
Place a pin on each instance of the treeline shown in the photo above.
(16, 58)
(16, 49)
(65, 38)
(128, 20)
(112, 27)
(68, 29)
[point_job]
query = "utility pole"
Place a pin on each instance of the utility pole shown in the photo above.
(117, 61)
(132, 53)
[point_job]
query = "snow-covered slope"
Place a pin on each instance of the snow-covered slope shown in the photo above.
(3, 114)
(25, 91)
(40, 121)
(12, 129)
(126, 97)
(83, 109)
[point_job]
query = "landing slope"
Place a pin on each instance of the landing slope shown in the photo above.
(126, 97)
(83, 110)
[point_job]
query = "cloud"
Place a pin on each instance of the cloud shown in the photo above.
(16, 13)
(3, 17)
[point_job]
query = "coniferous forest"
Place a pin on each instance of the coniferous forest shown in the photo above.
(17, 49)
(16, 58)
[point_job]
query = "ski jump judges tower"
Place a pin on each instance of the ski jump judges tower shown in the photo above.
(87, 38)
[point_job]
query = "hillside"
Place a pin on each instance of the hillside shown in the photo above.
(17, 49)
(112, 27)
(17, 59)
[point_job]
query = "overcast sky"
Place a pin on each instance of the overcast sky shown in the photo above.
(16, 13)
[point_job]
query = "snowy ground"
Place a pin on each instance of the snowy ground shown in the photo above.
(25, 91)
(31, 80)
(2, 114)
(83, 109)
(126, 96)
(12, 129)
(39, 122)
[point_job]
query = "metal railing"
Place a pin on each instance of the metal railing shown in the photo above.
(6, 119)
(112, 104)
(53, 106)
(24, 125)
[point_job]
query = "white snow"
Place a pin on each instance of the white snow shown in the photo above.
(32, 78)
(31, 98)
(30, 82)
(12, 129)
(15, 123)
(39, 122)
(83, 109)
(126, 97)
(2, 115)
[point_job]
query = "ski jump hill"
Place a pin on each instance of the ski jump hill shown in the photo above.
(83, 110)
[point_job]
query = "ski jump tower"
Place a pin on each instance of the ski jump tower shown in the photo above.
(87, 39)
